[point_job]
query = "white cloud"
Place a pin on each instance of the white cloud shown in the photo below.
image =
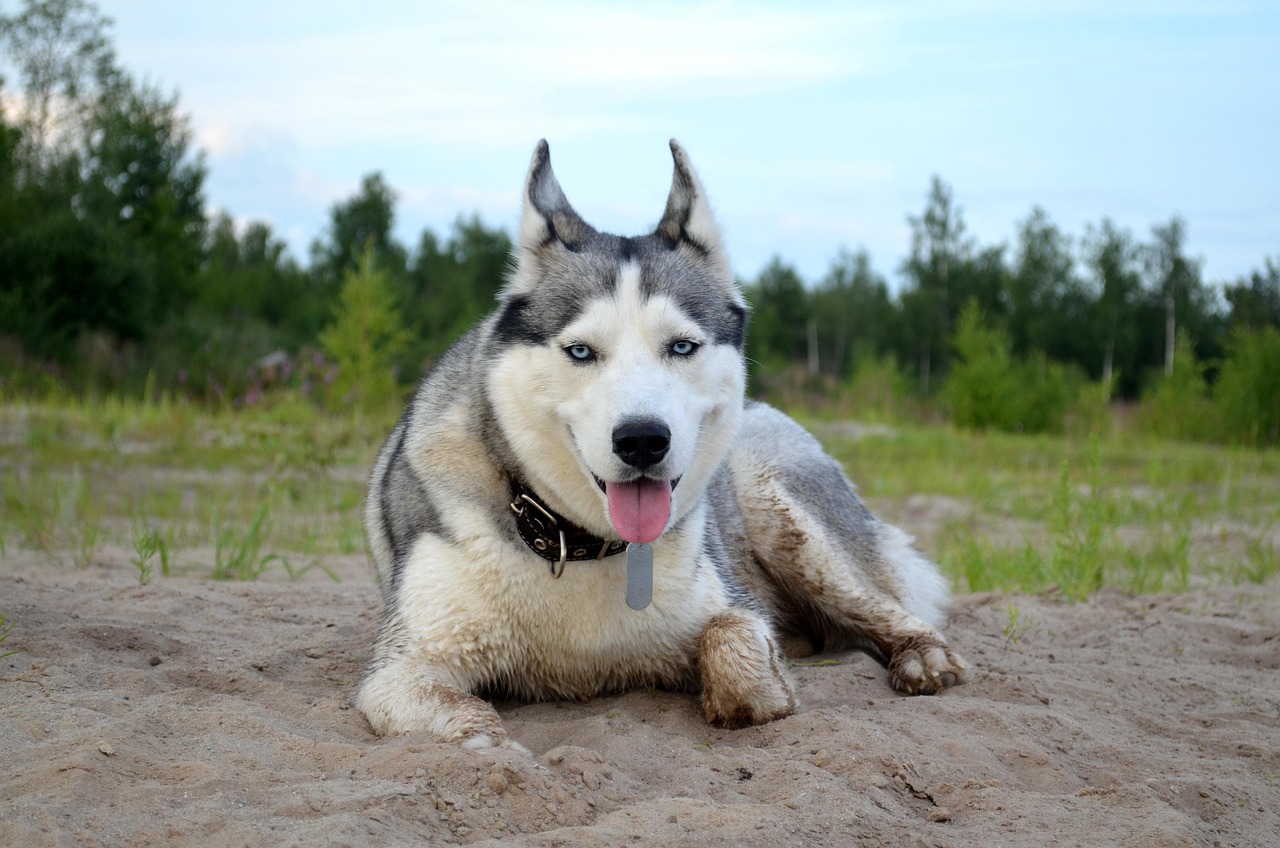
(471, 73)
(221, 138)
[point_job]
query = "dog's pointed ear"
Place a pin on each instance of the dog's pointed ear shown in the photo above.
(687, 219)
(548, 218)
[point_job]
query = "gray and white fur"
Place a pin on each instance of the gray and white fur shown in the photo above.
(610, 382)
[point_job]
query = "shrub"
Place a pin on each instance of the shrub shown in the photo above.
(981, 389)
(989, 389)
(1247, 394)
(1179, 406)
(879, 391)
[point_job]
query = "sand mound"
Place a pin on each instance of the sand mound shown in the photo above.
(191, 712)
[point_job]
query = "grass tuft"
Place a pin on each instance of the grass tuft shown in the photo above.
(147, 543)
(6, 627)
(238, 554)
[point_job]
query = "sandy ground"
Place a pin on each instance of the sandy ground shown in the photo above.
(188, 712)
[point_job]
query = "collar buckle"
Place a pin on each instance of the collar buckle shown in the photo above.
(553, 537)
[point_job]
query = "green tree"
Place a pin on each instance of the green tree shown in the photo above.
(64, 60)
(981, 389)
(449, 286)
(12, 215)
(250, 273)
(1174, 278)
(939, 252)
(360, 223)
(43, 247)
(49, 251)
(1178, 405)
(983, 278)
(142, 179)
(1047, 302)
(105, 197)
(365, 337)
(853, 314)
(988, 387)
(1255, 302)
(1112, 258)
(780, 306)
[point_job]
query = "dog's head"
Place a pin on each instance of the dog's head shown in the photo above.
(620, 376)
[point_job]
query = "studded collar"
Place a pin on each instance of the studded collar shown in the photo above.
(554, 537)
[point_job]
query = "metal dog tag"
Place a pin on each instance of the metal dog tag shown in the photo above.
(639, 575)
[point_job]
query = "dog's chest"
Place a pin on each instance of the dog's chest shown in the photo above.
(504, 621)
(588, 602)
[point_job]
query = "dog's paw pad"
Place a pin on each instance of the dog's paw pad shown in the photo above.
(925, 666)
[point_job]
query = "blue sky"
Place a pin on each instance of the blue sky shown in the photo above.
(814, 126)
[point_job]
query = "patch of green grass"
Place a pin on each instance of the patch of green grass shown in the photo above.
(6, 627)
(55, 513)
(176, 488)
(1080, 526)
(1261, 560)
(1032, 513)
(278, 487)
(984, 566)
(28, 510)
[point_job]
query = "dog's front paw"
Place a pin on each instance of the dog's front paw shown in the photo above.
(924, 665)
(399, 701)
(487, 740)
(742, 679)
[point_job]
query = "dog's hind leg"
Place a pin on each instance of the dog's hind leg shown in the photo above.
(850, 592)
(850, 589)
(743, 682)
(852, 577)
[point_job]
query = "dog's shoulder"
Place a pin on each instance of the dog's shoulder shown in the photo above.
(435, 458)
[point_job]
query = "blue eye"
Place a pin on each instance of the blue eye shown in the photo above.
(580, 353)
(683, 347)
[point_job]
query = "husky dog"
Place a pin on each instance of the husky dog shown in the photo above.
(579, 500)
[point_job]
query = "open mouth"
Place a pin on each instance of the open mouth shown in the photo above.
(604, 487)
(639, 509)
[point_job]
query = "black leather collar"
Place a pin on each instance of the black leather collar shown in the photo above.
(554, 537)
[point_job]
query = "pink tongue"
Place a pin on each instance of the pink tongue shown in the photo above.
(640, 510)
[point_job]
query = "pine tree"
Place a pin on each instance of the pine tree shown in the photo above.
(366, 335)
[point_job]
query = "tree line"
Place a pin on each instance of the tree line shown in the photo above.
(1013, 337)
(1109, 304)
(114, 274)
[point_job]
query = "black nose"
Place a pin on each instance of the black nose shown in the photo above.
(641, 443)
